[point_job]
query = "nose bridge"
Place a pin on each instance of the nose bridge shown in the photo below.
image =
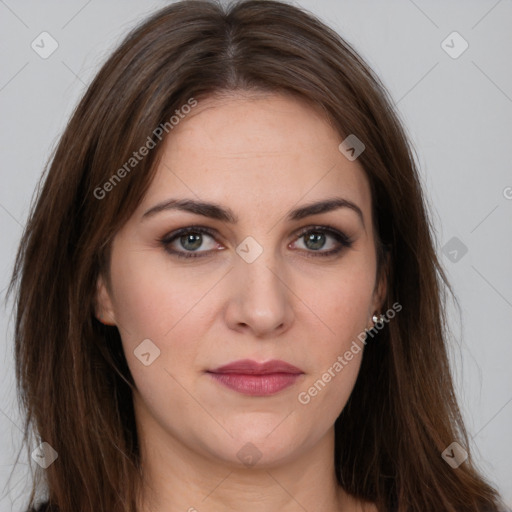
(260, 298)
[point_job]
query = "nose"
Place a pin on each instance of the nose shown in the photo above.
(259, 298)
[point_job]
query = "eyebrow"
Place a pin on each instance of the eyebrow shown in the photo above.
(218, 212)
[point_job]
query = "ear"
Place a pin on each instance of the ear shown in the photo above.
(103, 307)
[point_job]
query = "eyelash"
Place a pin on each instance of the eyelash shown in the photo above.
(341, 238)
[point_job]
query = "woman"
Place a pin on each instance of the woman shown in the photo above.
(227, 292)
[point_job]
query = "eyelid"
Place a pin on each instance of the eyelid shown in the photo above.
(327, 228)
(344, 240)
(177, 233)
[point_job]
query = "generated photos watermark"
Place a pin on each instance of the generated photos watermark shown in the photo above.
(304, 397)
(133, 161)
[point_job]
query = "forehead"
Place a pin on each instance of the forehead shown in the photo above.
(265, 151)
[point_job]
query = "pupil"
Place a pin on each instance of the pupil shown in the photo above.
(313, 241)
(195, 240)
(317, 240)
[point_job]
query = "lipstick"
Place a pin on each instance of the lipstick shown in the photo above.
(257, 379)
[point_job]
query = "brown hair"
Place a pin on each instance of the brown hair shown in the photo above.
(71, 371)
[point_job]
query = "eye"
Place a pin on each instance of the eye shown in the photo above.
(316, 238)
(186, 242)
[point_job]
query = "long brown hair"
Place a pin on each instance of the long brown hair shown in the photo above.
(72, 375)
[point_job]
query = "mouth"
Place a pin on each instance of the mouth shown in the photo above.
(257, 379)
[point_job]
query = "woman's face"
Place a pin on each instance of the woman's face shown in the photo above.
(264, 284)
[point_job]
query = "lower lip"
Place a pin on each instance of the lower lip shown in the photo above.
(256, 385)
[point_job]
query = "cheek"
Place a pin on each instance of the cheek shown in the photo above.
(326, 393)
(157, 302)
(151, 297)
(337, 351)
(343, 305)
(341, 302)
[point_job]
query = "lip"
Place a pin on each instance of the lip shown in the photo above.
(257, 379)
(250, 367)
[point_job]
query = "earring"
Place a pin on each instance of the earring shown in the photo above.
(102, 321)
(378, 319)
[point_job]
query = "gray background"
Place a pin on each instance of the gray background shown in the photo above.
(458, 113)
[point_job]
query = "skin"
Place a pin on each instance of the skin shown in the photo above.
(261, 156)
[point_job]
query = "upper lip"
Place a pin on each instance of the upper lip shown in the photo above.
(248, 366)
